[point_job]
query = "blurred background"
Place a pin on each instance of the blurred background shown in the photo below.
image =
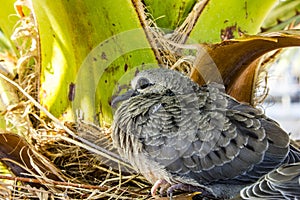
(283, 101)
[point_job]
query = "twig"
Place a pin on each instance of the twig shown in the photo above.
(75, 185)
(101, 151)
(57, 183)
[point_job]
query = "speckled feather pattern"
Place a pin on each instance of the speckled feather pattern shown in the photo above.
(182, 133)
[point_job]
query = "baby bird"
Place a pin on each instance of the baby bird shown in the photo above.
(183, 136)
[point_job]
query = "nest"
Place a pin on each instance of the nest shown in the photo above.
(49, 163)
(74, 160)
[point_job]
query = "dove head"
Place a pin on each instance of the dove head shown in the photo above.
(160, 79)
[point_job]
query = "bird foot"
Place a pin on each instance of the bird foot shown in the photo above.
(165, 186)
(162, 184)
(187, 188)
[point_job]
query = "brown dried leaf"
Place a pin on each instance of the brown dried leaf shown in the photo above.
(235, 60)
(23, 161)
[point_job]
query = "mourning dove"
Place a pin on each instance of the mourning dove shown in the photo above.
(183, 136)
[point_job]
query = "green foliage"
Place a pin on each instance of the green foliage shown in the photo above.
(8, 20)
(230, 16)
(284, 14)
(169, 14)
(4, 43)
(69, 31)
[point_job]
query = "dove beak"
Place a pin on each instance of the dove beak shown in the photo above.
(123, 97)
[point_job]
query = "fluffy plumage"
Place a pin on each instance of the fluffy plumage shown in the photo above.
(175, 132)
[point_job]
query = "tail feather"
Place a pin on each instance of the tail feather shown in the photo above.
(282, 183)
(293, 155)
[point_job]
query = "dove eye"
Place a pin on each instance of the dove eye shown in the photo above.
(143, 83)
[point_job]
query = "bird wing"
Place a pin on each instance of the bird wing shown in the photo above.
(234, 141)
(206, 135)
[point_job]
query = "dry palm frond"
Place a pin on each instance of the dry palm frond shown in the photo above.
(261, 88)
(169, 48)
(79, 156)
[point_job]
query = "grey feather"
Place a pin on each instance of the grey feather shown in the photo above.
(174, 130)
(281, 183)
